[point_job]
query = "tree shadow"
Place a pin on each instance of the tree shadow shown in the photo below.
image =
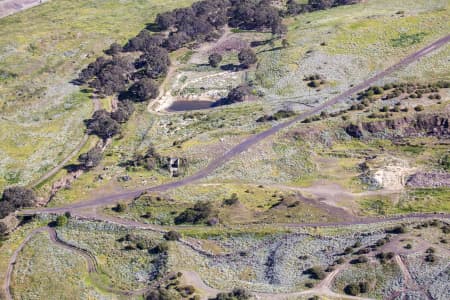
(270, 50)
(70, 168)
(230, 67)
(152, 27)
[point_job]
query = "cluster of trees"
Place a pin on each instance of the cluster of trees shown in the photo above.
(238, 94)
(255, 15)
(354, 289)
(195, 215)
(14, 198)
(91, 159)
(294, 8)
(149, 160)
(197, 23)
(246, 56)
(103, 125)
(108, 76)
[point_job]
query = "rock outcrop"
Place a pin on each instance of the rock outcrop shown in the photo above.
(429, 180)
(418, 125)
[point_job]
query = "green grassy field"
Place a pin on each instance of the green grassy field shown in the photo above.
(42, 50)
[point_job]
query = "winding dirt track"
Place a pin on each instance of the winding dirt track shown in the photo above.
(250, 141)
(91, 262)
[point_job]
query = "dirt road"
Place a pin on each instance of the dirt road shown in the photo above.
(252, 140)
(9, 7)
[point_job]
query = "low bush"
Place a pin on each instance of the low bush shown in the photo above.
(172, 236)
(352, 289)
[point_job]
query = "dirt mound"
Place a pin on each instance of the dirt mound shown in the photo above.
(429, 180)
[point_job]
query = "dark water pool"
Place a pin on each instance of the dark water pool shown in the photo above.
(184, 105)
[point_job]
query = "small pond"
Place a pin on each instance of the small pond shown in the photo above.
(185, 105)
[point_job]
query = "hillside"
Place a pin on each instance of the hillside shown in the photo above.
(225, 150)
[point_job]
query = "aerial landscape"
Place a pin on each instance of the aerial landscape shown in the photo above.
(225, 149)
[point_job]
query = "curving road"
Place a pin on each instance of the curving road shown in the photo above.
(89, 257)
(252, 140)
(71, 155)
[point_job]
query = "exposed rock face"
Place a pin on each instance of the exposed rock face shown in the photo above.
(424, 124)
(429, 180)
(418, 125)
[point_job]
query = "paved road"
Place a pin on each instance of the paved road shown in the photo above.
(252, 140)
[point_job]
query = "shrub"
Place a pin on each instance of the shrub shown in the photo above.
(363, 287)
(430, 258)
(236, 294)
(397, 229)
(102, 125)
(232, 200)
(161, 248)
(172, 235)
(61, 221)
(360, 260)
(123, 112)
(121, 207)
(197, 214)
(430, 250)
(238, 94)
(352, 289)
(314, 83)
(408, 246)
(247, 57)
(377, 90)
(92, 158)
(186, 290)
(159, 294)
(316, 273)
(348, 250)
(215, 59)
(419, 108)
(340, 261)
(357, 244)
